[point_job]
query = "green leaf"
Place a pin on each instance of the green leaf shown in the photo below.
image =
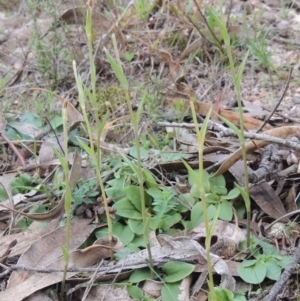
(232, 194)
(285, 260)
(212, 198)
(197, 216)
(226, 212)
(273, 269)
(117, 68)
(177, 270)
(133, 193)
(268, 249)
(155, 192)
(140, 275)
(253, 274)
(217, 181)
(136, 226)
(132, 248)
(3, 194)
(31, 118)
(170, 292)
(244, 195)
(170, 220)
(186, 202)
(156, 223)
(115, 193)
(193, 176)
(149, 179)
(143, 152)
(125, 208)
(241, 68)
(221, 294)
(139, 241)
(124, 233)
(221, 25)
(129, 56)
(135, 292)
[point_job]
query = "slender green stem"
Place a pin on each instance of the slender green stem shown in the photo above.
(237, 86)
(67, 198)
(201, 137)
(96, 154)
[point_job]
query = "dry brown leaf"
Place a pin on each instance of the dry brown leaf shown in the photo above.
(222, 229)
(203, 108)
(79, 258)
(152, 288)
(38, 297)
(109, 146)
(77, 15)
(267, 199)
(196, 45)
(108, 292)
(47, 249)
(282, 132)
(176, 71)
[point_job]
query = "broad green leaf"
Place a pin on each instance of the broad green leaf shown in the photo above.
(103, 232)
(156, 223)
(149, 179)
(31, 118)
(3, 194)
(135, 292)
(212, 198)
(219, 190)
(232, 194)
(155, 192)
(285, 260)
(193, 178)
(253, 274)
(268, 249)
(239, 297)
(273, 269)
(177, 270)
(222, 294)
(186, 202)
(124, 233)
(170, 291)
(139, 241)
(249, 263)
(133, 193)
(217, 181)
(226, 212)
(125, 208)
(197, 216)
(171, 220)
(144, 153)
(132, 248)
(140, 275)
(115, 193)
(136, 226)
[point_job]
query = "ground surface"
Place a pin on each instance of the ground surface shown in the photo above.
(167, 61)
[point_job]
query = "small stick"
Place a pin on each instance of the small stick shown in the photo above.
(278, 102)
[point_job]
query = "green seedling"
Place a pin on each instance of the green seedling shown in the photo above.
(265, 264)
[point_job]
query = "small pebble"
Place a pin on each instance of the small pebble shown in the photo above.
(296, 100)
